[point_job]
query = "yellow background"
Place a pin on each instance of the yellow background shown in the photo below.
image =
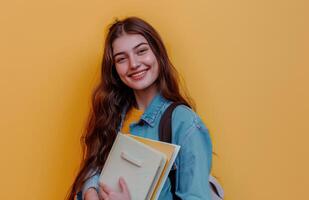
(244, 62)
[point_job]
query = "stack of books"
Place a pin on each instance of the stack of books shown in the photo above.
(143, 163)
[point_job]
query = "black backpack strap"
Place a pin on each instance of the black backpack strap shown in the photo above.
(165, 126)
(165, 135)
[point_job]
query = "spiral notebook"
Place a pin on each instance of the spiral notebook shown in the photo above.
(142, 162)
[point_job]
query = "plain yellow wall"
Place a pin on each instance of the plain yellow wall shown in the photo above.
(244, 62)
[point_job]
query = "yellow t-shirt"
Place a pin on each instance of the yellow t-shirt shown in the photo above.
(132, 116)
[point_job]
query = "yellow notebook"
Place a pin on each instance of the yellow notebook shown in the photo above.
(170, 151)
(142, 162)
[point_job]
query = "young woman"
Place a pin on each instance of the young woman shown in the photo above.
(138, 82)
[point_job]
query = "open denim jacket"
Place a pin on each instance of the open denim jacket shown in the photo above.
(193, 162)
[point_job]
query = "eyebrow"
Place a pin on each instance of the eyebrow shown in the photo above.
(142, 43)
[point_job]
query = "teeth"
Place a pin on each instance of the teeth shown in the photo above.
(138, 74)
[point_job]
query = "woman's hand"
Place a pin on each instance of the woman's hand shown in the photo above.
(91, 194)
(108, 193)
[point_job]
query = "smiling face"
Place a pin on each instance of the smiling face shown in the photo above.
(135, 62)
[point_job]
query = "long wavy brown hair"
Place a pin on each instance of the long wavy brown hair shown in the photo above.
(111, 96)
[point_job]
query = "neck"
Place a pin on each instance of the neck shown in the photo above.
(144, 97)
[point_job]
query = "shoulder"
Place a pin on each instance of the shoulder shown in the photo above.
(186, 123)
(184, 113)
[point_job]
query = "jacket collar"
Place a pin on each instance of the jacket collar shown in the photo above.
(152, 112)
(154, 109)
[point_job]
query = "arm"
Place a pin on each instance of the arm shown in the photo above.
(194, 161)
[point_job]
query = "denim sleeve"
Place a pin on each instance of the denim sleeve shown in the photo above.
(195, 157)
(92, 182)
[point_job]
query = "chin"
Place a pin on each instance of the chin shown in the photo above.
(140, 88)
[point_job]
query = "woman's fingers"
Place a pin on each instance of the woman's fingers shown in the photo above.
(107, 189)
(104, 191)
(103, 194)
(123, 185)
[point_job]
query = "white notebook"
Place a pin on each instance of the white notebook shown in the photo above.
(139, 164)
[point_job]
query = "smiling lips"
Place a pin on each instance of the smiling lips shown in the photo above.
(138, 75)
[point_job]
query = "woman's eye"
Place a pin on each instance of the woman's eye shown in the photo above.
(141, 51)
(119, 60)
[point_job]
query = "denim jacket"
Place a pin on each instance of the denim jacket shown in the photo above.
(193, 162)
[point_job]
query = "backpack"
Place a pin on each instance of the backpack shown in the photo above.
(165, 127)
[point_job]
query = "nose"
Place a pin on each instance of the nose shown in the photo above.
(134, 62)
